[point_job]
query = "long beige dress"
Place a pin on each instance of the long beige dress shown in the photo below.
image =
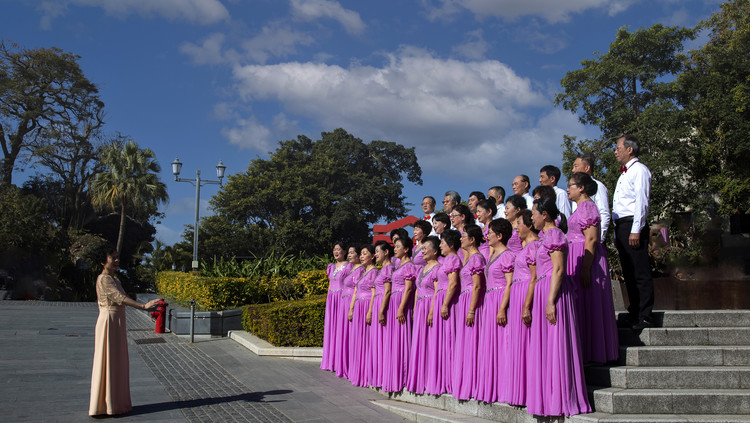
(110, 377)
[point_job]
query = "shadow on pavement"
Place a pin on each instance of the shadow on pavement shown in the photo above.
(179, 405)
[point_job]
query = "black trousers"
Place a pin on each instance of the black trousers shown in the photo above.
(636, 269)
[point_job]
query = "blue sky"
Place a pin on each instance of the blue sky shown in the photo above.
(469, 83)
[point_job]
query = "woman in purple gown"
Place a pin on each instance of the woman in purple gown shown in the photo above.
(519, 312)
(399, 324)
(513, 207)
(341, 362)
(422, 229)
(493, 333)
(468, 315)
(360, 316)
(486, 210)
(589, 272)
(422, 342)
(378, 340)
(336, 274)
(556, 381)
(443, 330)
(461, 217)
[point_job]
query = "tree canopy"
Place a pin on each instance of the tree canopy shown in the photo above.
(714, 89)
(308, 194)
(42, 90)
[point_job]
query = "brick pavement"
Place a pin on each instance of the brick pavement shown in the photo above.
(45, 369)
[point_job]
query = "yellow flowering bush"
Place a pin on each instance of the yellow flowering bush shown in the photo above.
(221, 293)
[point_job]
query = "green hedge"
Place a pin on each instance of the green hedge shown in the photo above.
(287, 323)
(221, 293)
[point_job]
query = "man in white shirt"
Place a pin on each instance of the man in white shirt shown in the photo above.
(521, 186)
(550, 175)
(585, 163)
(498, 193)
(629, 211)
(428, 207)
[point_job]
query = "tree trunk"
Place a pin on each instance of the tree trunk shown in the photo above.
(121, 236)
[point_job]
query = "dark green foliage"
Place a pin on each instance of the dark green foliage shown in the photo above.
(309, 194)
(288, 323)
(715, 92)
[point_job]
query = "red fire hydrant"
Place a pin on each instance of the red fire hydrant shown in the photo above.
(160, 315)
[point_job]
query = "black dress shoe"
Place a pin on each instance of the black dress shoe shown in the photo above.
(625, 322)
(643, 324)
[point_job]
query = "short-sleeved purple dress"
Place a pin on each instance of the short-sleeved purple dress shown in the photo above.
(416, 254)
(420, 339)
(514, 242)
(359, 334)
(493, 338)
(484, 247)
(467, 337)
(596, 308)
(514, 391)
(556, 384)
(335, 281)
(341, 363)
(378, 340)
(398, 335)
(442, 333)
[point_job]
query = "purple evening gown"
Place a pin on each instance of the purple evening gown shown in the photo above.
(335, 280)
(378, 340)
(398, 335)
(467, 337)
(359, 334)
(493, 338)
(341, 363)
(417, 258)
(420, 340)
(596, 308)
(514, 391)
(442, 333)
(556, 384)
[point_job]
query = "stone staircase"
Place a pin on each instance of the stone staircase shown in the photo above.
(692, 366)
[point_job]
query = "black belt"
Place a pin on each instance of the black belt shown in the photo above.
(626, 219)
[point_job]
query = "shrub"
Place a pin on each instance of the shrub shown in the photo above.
(287, 323)
(221, 293)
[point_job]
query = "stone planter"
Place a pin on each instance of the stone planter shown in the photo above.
(216, 323)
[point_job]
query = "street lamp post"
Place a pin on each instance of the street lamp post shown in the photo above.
(176, 167)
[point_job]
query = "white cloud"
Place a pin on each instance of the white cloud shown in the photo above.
(249, 134)
(209, 52)
(167, 235)
(475, 48)
(441, 106)
(202, 12)
(518, 150)
(540, 41)
(50, 10)
(275, 40)
(310, 10)
(549, 10)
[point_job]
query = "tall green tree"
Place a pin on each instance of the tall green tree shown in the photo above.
(715, 92)
(41, 89)
(631, 89)
(308, 194)
(129, 183)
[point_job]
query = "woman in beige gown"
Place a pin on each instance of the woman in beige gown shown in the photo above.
(110, 377)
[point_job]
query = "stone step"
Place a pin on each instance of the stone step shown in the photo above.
(446, 409)
(698, 318)
(422, 414)
(672, 401)
(725, 377)
(676, 356)
(686, 336)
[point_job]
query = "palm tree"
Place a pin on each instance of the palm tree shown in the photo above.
(130, 182)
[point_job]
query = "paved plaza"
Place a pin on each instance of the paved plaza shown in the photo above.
(46, 352)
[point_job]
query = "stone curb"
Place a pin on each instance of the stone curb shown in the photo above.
(262, 348)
